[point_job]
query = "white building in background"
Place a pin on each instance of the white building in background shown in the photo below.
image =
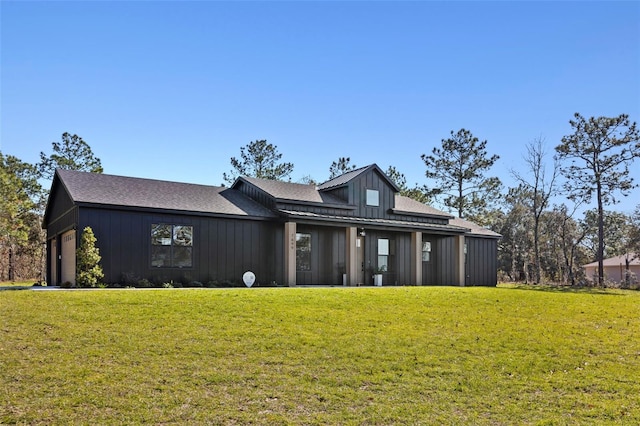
(615, 269)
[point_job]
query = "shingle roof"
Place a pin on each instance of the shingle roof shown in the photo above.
(111, 190)
(293, 191)
(617, 261)
(409, 205)
(474, 228)
(103, 189)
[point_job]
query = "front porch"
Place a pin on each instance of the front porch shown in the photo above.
(352, 256)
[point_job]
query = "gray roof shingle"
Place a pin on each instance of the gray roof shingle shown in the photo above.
(294, 191)
(409, 205)
(474, 228)
(104, 189)
(112, 190)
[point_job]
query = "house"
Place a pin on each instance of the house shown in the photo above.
(615, 269)
(342, 232)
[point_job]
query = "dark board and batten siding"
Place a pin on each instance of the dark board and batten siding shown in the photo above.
(257, 194)
(341, 193)
(418, 219)
(327, 211)
(399, 271)
(430, 268)
(441, 269)
(327, 256)
(358, 196)
(226, 245)
(223, 249)
(481, 261)
(63, 214)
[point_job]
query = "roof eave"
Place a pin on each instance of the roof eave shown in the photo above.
(174, 211)
(360, 222)
(421, 214)
(349, 207)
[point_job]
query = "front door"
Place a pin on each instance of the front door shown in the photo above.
(360, 260)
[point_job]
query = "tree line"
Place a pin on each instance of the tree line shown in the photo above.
(542, 241)
(23, 201)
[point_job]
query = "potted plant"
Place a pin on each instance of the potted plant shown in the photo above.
(377, 276)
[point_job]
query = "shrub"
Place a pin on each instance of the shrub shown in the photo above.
(212, 283)
(195, 284)
(129, 279)
(144, 283)
(89, 272)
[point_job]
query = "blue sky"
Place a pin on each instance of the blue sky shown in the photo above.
(172, 90)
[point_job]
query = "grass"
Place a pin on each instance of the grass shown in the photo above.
(406, 355)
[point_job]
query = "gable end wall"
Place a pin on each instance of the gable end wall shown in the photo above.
(358, 196)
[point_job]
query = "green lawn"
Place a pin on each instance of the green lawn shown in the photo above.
(405, 355)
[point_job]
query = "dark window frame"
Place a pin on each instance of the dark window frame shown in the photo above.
(426, 251)
(384, 255)
(303, 252)
(171, 246)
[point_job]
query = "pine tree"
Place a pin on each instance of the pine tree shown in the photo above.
(258, 159)
(340, 167)
(599, 154)
(73, 153)
(458, 169)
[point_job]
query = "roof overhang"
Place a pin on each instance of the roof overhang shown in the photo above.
(388, 224)
(419, 214)
(143, 209)
(346, 207)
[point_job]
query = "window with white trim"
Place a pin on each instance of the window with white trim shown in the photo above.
(373, 197)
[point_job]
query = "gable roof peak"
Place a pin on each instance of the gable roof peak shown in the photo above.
(347, 177)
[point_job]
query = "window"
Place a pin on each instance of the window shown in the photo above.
(303, 252)
(373, 197)
(383, 255)
(171, 246)
(426, 251)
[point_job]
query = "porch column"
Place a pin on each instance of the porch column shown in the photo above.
(290, 254)
(460, 272)
(351, 262)
(416, 258)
